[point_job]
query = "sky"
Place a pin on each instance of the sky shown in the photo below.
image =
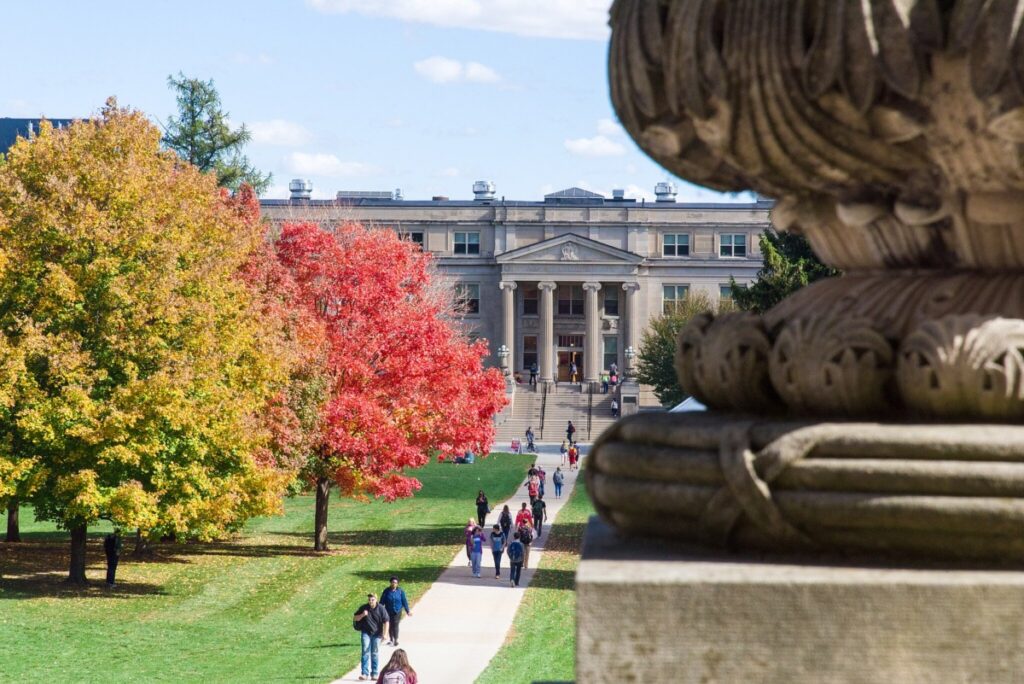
(422, 95)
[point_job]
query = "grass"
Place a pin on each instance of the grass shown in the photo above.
(262, 607)
(541, 645)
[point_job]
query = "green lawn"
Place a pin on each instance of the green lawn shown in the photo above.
(263, 607)
(542, 643)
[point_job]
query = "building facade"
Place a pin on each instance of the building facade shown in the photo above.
(574, 278)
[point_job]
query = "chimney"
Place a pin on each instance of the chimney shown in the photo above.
(665, 191)
(300, 189)
(483, 190)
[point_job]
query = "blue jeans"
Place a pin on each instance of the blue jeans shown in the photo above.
(497, 563)
(558, 489)
(371, 647)
(476, 558)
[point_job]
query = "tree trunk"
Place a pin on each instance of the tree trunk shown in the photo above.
(76, 573)
(142, 546)
(323, 495)
(13, 530)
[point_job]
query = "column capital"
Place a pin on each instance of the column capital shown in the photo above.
(630, 287)
(592, 286)
(546, 285)
(507, 285)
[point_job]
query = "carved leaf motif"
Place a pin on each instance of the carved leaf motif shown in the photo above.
(682, 65)
(899, 63)
(963, 22)
(990, 49)
(824, 59)
(860, 71)
(1009, 125)
(926, 24)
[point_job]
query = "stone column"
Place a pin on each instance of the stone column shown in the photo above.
(592, 363)
(628, 320)
(508, 310)
(545, 347)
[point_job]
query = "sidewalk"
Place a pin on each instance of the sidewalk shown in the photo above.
(459, 624)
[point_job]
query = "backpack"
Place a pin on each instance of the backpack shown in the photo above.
(394, 677)
(525, 535)
(515, 552)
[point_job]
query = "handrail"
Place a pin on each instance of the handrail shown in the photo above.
(543, 408)
(590, 410)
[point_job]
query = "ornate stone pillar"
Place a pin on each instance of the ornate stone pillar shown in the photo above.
(547, 330)
(628, 320)
(508, 310)
(592, 363)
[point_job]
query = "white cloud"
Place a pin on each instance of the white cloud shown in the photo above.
(322, 164)
(279, 132)
(598, 146)
(444, 70)
(578, 19)
(609, 127)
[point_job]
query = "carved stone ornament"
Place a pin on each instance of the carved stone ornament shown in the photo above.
(569, 252)
(891, 135)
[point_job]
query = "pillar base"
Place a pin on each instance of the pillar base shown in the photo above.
(679, 614)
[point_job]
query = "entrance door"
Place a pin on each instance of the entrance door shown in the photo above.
(565, 359)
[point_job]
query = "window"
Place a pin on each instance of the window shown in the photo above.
(676, 245)
(530, 351)
(467, 243)
(469, 298)
(611, 352)
(570, 341)
(733, 245)
(416, 237)
(725, 292)
(570, 300)
(531, 300)
(673, 296)
(611, 302)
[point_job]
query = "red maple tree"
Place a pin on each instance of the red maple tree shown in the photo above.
(403, 380)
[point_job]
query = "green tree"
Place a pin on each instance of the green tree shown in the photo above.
(789, 264)
(656, 358)
(200, 134)
(136, 363)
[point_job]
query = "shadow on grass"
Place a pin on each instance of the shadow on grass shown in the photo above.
(39, 569)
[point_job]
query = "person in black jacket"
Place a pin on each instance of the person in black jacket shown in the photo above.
(112, 548)
(482, 508)
(373, 620)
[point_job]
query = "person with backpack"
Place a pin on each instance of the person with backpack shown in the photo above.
(371, 621)
(540, 510)
(533, 487)
(543, 478)
(515, 560)
(398, 670)
(482, 508)
(563, 450)
(470, 526)
(570, 430)
(526, 537)
(497, 548)
(558, 478)
(395, 601)
(477, 554)
(505, 520)
(523, 516)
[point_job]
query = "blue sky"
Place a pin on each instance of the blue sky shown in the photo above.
(422, 95)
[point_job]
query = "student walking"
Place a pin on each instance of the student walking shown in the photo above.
(532, 486)
(112, 549)
(505, 520)
(533, 373)
(615, 408)
(526, 537)
(572, 372)
(470, 526)
(558, 478)
(573, 455)
(482, 508)
(524, 516)
(497, 547)
(478, 551)
(515, 560)
(563, 450)
(540, 511)
(394, 601)
(570, 430)
(398, 670)
(372, 622)
(543, 478)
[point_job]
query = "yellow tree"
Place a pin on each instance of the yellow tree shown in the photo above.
(142, 368)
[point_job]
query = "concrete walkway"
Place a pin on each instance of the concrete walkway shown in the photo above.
(459, 624)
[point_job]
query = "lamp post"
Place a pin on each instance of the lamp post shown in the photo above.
(630, 357)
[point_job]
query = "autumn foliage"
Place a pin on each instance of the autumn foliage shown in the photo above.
(404, 382)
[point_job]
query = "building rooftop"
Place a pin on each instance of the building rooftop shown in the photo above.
(12, 129)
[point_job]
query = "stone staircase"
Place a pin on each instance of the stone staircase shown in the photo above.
(550, 412)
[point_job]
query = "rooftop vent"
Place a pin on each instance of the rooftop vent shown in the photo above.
(618, 194)
(301, 189)
(665, 191)
(483, 190)
(398, 195)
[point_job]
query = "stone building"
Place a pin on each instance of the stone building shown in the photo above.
(572, 278)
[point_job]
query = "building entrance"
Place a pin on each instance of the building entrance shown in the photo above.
(565, 360)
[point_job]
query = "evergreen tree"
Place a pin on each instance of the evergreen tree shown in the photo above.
(656, 358)
(200, 134)
(789, 264)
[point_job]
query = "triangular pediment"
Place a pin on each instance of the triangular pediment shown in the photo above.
(569, 249)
